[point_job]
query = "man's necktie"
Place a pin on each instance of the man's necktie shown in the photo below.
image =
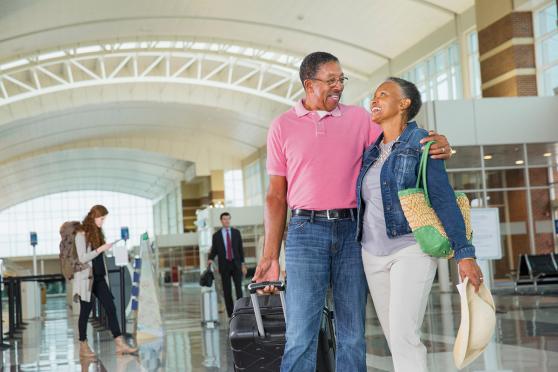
(229, 246)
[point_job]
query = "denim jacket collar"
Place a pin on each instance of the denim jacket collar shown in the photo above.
(404, 137)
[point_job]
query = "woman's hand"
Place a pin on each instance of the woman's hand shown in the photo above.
(104, 247)
(441, 149)
(469, 268)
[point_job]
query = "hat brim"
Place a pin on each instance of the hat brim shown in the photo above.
(462, 354)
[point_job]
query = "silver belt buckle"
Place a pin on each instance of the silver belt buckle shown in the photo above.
(331, 218)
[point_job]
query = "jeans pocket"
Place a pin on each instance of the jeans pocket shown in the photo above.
(297, 224)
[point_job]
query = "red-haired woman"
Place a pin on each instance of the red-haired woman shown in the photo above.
(90, 247)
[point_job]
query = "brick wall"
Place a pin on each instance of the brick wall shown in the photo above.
(512, 29)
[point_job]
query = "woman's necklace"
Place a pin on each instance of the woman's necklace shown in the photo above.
(385, 150)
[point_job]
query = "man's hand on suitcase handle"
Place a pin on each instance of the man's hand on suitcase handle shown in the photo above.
(256, 287)
(267, 271)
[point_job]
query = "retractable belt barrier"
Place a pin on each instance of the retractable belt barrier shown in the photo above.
(15, 310)
(120, 270)
(15, 313)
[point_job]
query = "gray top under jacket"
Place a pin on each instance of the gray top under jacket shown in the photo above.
(374, 237)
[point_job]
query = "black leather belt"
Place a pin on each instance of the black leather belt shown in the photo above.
(330, 214)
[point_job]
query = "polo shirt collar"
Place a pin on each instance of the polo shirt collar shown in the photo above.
(301, 111)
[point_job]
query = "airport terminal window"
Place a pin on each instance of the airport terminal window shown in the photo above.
(464, 157)
(546, 40)
(500, 172)
(468, 180)
(234, 190)
(514, 227)
(45, 215)
(253, 183)
(504, 156)
(505, 178)
(474, 65)
(438, 77)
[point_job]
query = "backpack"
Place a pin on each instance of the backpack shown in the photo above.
(69, 262)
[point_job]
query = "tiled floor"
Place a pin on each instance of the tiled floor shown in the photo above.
(526, 339)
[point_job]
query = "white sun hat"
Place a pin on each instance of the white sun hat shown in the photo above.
(478, 321)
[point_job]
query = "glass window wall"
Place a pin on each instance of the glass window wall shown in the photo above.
(438, 77)
(234, 190)
(474, 64)
(519, 180)
(546, 41)
(46, 214)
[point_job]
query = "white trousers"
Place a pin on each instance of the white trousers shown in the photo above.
(400, 285)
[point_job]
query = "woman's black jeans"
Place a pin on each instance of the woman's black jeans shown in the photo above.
(102, 293)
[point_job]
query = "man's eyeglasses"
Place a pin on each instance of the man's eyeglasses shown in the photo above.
(333, 81)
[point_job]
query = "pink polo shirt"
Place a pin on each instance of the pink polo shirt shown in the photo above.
(320, 157)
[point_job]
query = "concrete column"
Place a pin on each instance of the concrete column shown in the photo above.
(506, 49)
(201, 192)
(217, 193)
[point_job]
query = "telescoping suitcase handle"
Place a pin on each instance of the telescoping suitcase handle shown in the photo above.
(253, 288)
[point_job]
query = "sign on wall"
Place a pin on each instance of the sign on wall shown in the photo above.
(486, 233)
(33, 238)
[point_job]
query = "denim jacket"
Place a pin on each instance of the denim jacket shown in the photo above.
(399, 172)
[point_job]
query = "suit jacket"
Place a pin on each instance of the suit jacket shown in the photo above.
(218, 249)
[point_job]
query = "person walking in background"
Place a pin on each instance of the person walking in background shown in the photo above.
(314, 153)
(399, 273)
(90, 248)
(227, 245)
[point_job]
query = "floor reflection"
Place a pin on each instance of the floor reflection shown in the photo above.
(526, 338)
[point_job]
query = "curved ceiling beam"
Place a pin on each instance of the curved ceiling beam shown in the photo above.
(179, 131)
(90, 183)
(438, 7)
(142, 173)
(161, 129)
(204, 159)
(75, 170)
(319, 36)
(270, 80)
(48, 167)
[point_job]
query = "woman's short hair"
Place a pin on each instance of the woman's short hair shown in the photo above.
(411, 92)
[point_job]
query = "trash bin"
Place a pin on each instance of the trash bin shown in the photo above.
(30, 297)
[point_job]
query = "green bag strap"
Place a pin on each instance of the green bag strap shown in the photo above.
(422, 171)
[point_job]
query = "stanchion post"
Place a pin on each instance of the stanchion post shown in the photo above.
(3, 346)
(11, 325)
(122, 301)
(19, 309)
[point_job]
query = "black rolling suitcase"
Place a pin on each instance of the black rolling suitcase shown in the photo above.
(257, 333)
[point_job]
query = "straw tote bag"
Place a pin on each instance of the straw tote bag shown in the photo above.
(422, 218)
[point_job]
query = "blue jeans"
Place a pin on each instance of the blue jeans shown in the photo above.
(318, 253)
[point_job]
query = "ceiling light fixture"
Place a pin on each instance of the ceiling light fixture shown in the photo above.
(487, 157)
(519, 162)
(547, 154)
(453, 152)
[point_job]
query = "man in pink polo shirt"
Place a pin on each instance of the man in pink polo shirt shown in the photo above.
(314, 153)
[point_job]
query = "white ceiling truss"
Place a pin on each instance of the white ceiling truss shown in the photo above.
(264, 73)
(117, 64)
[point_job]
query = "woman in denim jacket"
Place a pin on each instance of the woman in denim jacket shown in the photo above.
(399, 274)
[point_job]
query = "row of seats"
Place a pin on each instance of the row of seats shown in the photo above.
(536, 270)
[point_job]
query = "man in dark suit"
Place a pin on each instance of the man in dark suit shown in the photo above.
(227, 245)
